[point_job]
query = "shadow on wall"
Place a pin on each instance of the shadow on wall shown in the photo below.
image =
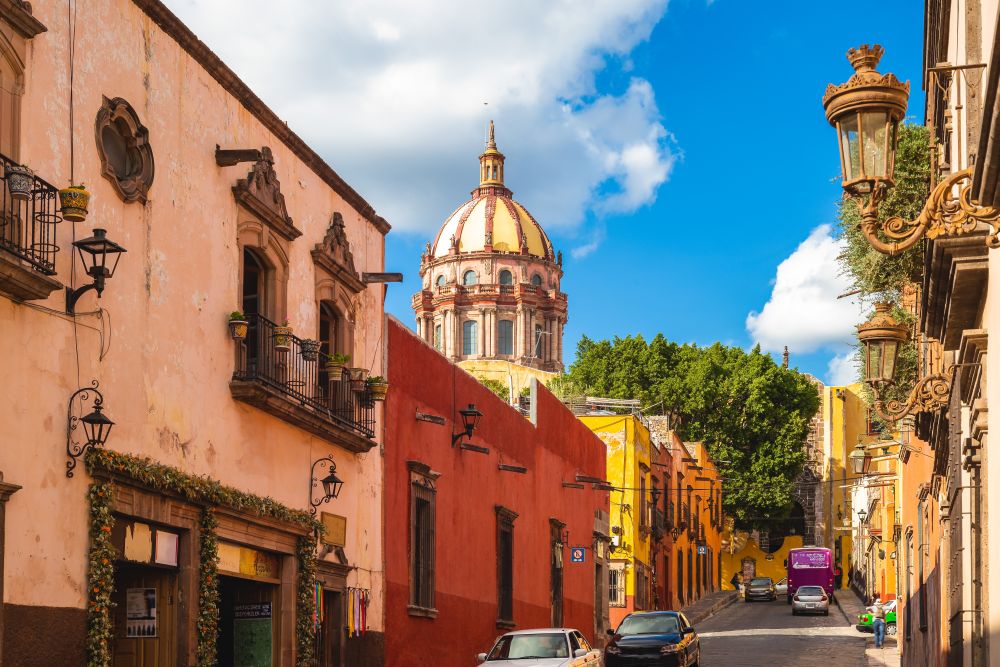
(753, 561)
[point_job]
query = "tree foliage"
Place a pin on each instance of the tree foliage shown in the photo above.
(496, 386)
(878, 277)
(750, 412)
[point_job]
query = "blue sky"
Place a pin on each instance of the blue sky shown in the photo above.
(677, 152)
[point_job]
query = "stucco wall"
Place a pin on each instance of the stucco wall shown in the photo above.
(470, 486)
(168, 355)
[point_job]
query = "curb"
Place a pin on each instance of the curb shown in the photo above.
(843, 613)
(717, 607)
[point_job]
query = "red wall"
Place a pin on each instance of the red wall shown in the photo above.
(468, 490)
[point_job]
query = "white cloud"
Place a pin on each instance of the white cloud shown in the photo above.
(392, 94)
(842, 369)
(804, 312)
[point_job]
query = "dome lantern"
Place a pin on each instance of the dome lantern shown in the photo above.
(491, 163)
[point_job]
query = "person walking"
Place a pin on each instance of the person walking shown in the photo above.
(878, 622)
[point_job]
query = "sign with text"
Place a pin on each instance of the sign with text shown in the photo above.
(244, 560)
(140, 612)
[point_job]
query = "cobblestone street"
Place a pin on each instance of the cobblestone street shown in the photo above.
(766, 633)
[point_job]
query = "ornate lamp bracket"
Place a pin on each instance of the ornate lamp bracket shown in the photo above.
(929, 395)
(947, 212)
(75, 450)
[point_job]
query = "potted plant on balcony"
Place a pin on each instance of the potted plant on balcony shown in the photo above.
(335, 363)
(359, 377)
(377, 387)
(238, 325)
(309, 349)
(73, 201)
(283, 337)
(20, 181)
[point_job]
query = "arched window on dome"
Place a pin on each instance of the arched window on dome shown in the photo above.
(440, 280)
(505, 337)
(470, 337)
(536, 280)
(506, 277)
(469, 278)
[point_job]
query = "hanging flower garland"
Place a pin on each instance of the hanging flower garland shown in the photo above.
(305, 610)
(100, 576)
(208, 591)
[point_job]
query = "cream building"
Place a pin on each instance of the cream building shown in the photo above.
(491, 294)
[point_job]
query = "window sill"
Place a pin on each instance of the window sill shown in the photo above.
(425, 612)
(506, 625)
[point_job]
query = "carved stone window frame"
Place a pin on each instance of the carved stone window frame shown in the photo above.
(260, 194)
(337, 281)
(117, 113)
(272, 250)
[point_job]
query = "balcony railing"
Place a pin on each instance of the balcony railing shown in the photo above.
(28, 226)
(669, 517)
(685, 514)
(337, 400)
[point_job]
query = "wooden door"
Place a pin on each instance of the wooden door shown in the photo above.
(154, 644)
(331, 631)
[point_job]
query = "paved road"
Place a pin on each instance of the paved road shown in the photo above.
(766, 634)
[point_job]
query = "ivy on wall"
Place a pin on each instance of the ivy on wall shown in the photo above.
(100, 576)
(208, 590)
(202, 490)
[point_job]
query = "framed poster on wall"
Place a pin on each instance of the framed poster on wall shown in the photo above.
(140, 612)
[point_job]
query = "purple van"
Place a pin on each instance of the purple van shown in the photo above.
(810, 566)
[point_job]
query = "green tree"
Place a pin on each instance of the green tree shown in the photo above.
(496, 386)
(750, 412)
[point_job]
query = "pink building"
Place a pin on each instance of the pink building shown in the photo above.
(187, 534)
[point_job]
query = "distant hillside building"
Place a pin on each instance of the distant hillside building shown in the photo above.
(490, 298)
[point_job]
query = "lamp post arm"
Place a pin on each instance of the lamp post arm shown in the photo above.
(947, 212)
(75, 450)
(930, 393)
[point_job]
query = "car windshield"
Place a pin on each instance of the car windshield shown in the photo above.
(541, 645)
(810, 590)
(760, 582)
(651, 624)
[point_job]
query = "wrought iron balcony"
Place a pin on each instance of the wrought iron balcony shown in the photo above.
(273, 374)
(669, 517)
(29, 213)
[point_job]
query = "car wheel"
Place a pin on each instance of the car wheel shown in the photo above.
(890, 629)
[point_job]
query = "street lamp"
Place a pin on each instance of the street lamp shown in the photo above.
(331, 484)
(94, 252)
(96, 426)
(866, 111)
(881, 337)
(470, 420)
(862, 515)
(860, 460)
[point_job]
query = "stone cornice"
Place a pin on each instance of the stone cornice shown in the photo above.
(17, 13)
(226, 78)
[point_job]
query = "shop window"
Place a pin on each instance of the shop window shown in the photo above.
(423, 501)
(506, 277)
(124, 150)
(505, 337)
(616, 584)
(469, 278)
(470, 337)
(505, 565)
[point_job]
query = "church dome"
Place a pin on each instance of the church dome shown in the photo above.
(491, 221)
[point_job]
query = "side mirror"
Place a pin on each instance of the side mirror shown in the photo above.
(580, 653)
(688, 630)
(481, 657)
(611, 632)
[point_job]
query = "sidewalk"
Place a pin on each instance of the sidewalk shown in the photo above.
(709, 605)
(850, 606)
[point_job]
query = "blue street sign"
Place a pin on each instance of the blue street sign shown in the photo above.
(702, 551)
(576, 554)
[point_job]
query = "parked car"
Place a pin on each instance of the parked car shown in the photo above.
(810, 600)
(653, 637)
(545, 647)
(781, 588)
(865, 619)
(760, 588)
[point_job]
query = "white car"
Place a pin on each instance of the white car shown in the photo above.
(545, 647)
(781, 588)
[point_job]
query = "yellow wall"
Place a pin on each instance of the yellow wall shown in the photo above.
(845, 416)
(774, 568)
(496, 369)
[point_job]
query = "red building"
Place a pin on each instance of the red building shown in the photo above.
(481, 536)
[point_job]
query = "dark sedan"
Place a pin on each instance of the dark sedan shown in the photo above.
(760, 588)
(660, 638)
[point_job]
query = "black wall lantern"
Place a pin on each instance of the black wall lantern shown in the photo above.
(94, 253)
(470, 420)
(331, 484)
(96, 426)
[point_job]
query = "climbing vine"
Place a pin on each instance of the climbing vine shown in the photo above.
(305, 621)
(100, 576)
(208, 590)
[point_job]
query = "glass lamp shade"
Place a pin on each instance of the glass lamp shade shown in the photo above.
(332, 485)
(859, 460)
(97, 426)
(94, 252)
(470, 418)
(881, 337)
(862, 515)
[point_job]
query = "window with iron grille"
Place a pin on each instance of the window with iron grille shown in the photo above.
(423, 501)
(616, 584)
(505, 565)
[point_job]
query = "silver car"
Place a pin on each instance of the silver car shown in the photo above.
(545, 647)
(810, 600)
